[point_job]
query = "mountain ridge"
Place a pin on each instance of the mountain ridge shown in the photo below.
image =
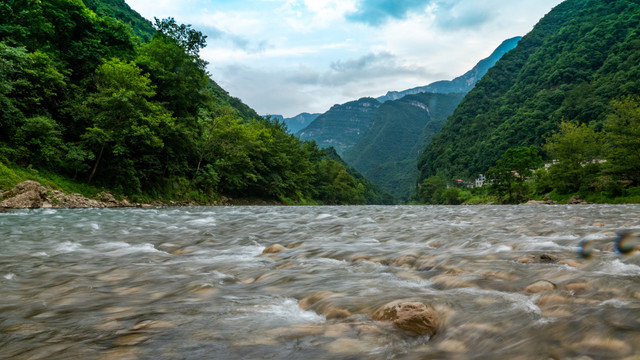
(460, 84)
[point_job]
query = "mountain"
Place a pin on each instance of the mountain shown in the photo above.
(300, 121)
(342, 125)
(296, 123)
(118, 9)
(387, 152)
(461, 84)
(582, 55)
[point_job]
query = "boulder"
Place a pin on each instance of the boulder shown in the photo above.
(273, 249)
(415, 318)
(540, 286)
(31, 195)
(28, 194)
(540, 202)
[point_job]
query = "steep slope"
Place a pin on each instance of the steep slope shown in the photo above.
(387, 153)
(579, 57)
(118, 9)
(461, 84)
(342, 125)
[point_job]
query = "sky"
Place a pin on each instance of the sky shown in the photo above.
(291, 56)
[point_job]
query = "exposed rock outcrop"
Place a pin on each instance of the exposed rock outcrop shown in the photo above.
(26, 195)
(32, 195)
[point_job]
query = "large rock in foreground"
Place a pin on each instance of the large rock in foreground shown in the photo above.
(413, 317)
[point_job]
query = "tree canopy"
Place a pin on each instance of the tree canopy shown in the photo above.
(86, 96)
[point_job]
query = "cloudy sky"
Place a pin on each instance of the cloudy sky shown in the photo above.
(292, 56)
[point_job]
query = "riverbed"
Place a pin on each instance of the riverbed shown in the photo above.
(194, 283)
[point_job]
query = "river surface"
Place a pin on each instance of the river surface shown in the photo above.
(193, 282)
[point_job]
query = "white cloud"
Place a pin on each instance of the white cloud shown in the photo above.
(291, 56)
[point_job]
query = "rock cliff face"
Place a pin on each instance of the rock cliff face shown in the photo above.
(32, 195)
(343, 125)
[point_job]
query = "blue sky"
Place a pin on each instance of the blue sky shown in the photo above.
(292, 56)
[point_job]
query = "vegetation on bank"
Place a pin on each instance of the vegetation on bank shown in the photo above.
(580, 59)
(86, 99)
(597, 163)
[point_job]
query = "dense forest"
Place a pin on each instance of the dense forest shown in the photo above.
(579, 68)
(93, 92)
(388, 150)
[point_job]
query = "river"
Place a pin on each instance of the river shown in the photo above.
(193, 282)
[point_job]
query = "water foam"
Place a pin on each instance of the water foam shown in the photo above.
(617, 267)
(289, 311)
(68, 247)
(120, 248)
(10, 276)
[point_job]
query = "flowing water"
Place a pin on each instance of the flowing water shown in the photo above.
(193, 282)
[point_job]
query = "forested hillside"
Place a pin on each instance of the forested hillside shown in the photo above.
(387, 153)
(578, 59)
(343, 125)
(85, 96)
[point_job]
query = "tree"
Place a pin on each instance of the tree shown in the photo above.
(622, 139)
(431, 190)
(125, 120)
(574, 148)
(507, 177)
(190, 40)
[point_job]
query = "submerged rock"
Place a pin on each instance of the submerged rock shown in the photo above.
(540, 286)
(413, 317)
(275, 248)
(320, 303)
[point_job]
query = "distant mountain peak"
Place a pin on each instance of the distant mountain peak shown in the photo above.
(463, 83)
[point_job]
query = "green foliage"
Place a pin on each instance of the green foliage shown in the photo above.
(118, 9)
(622, 134)
(81, 97)
(430, 190)
(387, 152)
(342, 126)
(508, 176)
(575, 148)
(578, 58)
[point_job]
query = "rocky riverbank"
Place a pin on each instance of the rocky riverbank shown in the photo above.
(32, 195)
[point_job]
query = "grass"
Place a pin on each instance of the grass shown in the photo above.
(10, 176)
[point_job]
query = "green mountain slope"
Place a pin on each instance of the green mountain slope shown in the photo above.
(342, 125)
(82, 98)
(387, 153)
(579, 57)
(118, 9)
